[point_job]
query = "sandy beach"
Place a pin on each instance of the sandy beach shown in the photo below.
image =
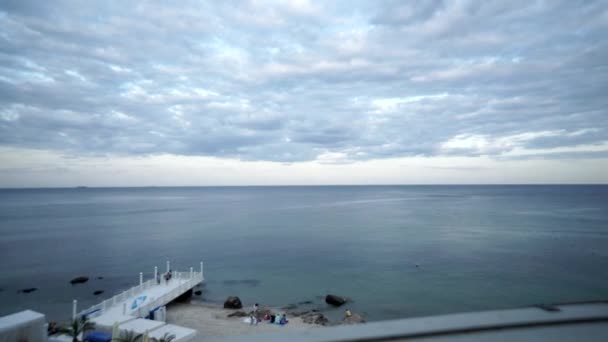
(211, 321)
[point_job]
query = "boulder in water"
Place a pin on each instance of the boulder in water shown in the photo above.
(233, 302)
(98, 292)
(79, 280)
(334, 300)
(28, 290)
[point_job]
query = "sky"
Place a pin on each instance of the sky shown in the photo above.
(140, 93)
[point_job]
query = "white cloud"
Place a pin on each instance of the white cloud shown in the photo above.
(337, 84)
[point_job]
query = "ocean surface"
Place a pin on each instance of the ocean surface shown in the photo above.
(476, 247)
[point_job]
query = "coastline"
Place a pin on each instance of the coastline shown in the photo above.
(211, 320)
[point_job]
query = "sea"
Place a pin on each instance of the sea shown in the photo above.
(394, 251)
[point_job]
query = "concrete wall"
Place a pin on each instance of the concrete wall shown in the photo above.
(24, 326)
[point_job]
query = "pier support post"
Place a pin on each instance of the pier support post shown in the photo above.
(74, 305)
(201, 269)
(141, 279)
(168, 265)
(155, 273)
(191, 272)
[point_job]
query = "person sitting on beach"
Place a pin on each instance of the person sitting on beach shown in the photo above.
(255, 308)
(252, 319)
(283, 320)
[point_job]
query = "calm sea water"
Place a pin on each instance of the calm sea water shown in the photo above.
(477, 247)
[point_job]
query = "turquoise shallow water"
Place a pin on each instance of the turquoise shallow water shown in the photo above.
(477, 247)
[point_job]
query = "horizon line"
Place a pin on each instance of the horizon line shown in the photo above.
(84, 187)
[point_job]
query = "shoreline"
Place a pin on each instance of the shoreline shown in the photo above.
(211, 320)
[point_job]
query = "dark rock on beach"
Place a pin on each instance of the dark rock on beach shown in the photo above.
(353, 319)
(334, 300)
(314, 317)
(98, 292)
(238, 314)
(198, 292)
(79, 280)
(28, 290)
(233, 302)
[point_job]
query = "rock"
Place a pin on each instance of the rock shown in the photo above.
(297, 313)
(353, 319)
(238, 314)
(79, 280)
(313, 317)
(334, 300)
(233, 302)
(28, 290)
(98, 292)
(198, 293)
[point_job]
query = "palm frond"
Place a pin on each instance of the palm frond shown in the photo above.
(128, 336)
(166, 338)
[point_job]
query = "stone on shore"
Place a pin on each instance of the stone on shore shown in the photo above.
(28, 290)
(335, 300)
(79, 280)
(353, 319)
(198, 292)
(233, 302)
(98, 292)
(314, 317)
(238, 314)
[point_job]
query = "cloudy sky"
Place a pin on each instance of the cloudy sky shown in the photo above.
(301, 92)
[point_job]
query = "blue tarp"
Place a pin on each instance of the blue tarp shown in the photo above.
(98, 336)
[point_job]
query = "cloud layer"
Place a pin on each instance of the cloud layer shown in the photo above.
(299, 81)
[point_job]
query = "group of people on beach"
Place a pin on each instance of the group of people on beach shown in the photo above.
(272, 319)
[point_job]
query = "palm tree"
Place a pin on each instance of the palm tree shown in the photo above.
(77, 327)
(128, 336)
(166, 338)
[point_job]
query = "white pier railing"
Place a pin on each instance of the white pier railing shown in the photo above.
(166, 292)
(192, 279)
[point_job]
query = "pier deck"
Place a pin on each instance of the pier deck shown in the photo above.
(129, 307)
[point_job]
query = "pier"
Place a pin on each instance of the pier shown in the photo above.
(136, 308)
